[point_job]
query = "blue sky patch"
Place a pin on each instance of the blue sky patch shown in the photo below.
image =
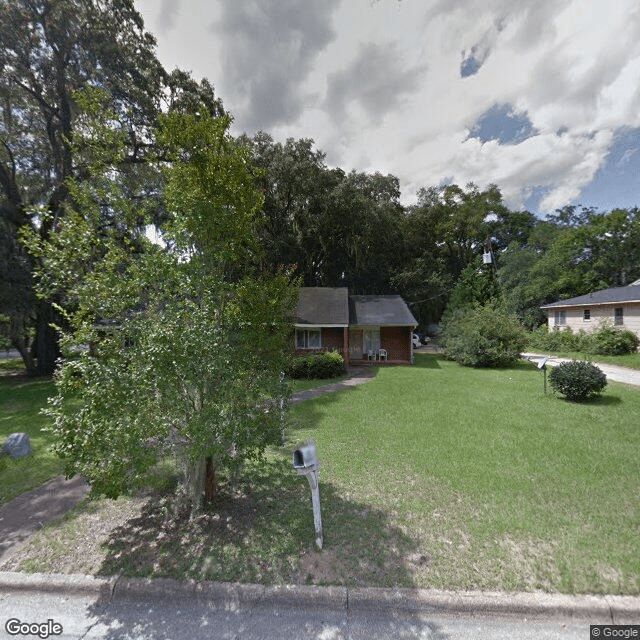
(503, 124)
(470, 66)
(617, 182)
(532, 202)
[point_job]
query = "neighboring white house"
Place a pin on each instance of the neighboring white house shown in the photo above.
(619, 305)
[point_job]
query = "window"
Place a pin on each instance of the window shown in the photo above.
(586, 316)
(308, 339)
(618, 317)
(560, 318)
(371, 340)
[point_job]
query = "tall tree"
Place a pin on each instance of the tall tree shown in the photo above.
(337, 229)
(188, 340)
(447, 229)
(49, 51)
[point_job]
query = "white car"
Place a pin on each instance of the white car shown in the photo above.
(415, 341)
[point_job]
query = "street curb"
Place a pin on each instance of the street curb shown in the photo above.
(69, 584)
(602, 609)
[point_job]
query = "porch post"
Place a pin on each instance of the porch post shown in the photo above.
(345, 346)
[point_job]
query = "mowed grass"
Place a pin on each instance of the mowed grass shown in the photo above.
(21, 399)
(431, 476)
(498, 485)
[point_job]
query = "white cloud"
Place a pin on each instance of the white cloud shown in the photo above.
(378, 84)
(268, 51)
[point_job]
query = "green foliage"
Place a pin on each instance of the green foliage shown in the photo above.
(577, 380)
(557, 339)
(606, 340)
(51, 52)
(328, 364)
(187, 340)
(338, 229)
(475, 286)
(483, 336)
(445, 232)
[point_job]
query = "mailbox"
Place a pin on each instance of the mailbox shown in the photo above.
(306, 457)
(306, 463)
(543, 363)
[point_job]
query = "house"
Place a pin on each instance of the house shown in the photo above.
(620, 305)
(361, 328)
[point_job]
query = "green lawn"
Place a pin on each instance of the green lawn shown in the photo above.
(497, 485)
(434, 475)
(20, 402)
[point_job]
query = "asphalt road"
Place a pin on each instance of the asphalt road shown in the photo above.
(90, 617)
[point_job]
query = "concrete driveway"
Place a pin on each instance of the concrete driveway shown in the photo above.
(613, 372)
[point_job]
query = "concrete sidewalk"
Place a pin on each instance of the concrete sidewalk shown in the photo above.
(613, 372)
(24, 515)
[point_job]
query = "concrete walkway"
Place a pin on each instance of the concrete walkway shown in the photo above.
(613, 372)
(24, 515)
(357, 375)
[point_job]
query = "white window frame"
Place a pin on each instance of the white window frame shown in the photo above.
(309, 338)
(618, 318)
(586, 315)
(560, 318)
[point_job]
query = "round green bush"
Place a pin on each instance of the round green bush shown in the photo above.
(577, 380)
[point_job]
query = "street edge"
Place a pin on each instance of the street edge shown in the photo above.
(601, 609)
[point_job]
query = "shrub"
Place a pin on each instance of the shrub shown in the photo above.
(608, 340)
(328, 364)
(483, 336)
(559, 339)
(577, 380)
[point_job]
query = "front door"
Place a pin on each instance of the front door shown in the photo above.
(355, 344)
(370, 340)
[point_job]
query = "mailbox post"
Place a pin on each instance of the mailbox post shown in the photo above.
(543, 365)
(306, 463)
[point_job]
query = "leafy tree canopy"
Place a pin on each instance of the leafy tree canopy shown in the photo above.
(51, 52)
(187, 340)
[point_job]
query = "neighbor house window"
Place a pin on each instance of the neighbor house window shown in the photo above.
(308, 339)
(618, 317)
(560, 318)
(586, 315)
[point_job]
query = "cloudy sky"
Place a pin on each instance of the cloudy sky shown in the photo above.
(541, 97)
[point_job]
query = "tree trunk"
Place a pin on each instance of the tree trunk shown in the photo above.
(46, 344)
(18, 340)
(210, 486)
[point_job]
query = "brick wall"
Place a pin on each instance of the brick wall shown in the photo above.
(396, 340)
